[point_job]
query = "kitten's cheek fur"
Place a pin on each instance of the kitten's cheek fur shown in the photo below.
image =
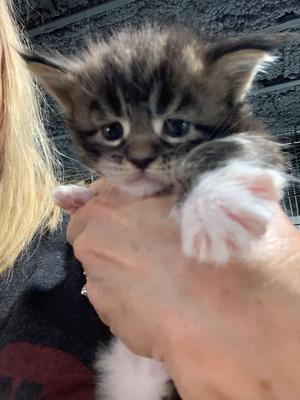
(227, 209)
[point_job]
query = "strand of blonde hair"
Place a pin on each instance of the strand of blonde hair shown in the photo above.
(27, 159)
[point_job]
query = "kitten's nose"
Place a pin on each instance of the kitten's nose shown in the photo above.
(141, 163)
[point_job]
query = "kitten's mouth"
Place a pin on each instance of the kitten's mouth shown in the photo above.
(144, 184)
(144, 177)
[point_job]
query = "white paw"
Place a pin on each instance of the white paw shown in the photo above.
(227, 209)
(71, 197)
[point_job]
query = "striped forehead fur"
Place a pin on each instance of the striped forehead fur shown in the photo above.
(142, 64)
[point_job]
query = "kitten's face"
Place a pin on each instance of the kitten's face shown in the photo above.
(139, 103)
(136, 132)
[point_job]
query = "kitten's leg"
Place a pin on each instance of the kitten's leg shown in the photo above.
(71, 197)
(230, 204)
(124, 375)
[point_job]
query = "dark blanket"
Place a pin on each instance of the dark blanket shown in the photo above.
(49, 332)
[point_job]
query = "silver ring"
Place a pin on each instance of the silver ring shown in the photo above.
(84, 291)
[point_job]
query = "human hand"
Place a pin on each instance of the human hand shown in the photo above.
(119, 235)
(237, 332)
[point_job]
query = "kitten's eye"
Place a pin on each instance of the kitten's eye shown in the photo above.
(176, 128)
(113, 132)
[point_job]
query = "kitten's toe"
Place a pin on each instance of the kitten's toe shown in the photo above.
(71, 197)
(227, 210)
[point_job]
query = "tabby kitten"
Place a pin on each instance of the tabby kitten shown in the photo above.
(160, 110)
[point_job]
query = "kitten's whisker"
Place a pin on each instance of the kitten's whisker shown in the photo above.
(236, 123)
(223, 120)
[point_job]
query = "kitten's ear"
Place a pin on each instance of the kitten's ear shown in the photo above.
(55, 78)
(234, 63)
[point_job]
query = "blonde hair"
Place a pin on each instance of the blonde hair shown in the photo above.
(27, 160)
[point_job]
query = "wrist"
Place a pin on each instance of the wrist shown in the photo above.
(248, 345)
(265, 361)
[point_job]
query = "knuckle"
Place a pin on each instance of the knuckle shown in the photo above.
(81, 248)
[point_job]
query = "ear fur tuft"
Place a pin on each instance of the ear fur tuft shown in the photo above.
(53, 76)
(235, 62)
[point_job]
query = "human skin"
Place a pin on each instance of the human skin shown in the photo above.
(222, 333)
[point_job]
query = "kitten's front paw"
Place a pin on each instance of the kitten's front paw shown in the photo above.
(227, 209)
(71, 197)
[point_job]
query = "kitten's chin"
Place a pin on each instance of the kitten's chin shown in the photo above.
(143, 187)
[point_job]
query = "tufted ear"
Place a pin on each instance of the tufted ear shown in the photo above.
(53, 76)
(234, 63)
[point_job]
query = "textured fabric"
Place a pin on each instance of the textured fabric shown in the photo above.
(49, 332)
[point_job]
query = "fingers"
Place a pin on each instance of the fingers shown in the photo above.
(115, 197)
(76, 225)
(106, 294)
(109, 193)
(113, 207)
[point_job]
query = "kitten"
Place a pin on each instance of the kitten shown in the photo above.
(160, 110)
